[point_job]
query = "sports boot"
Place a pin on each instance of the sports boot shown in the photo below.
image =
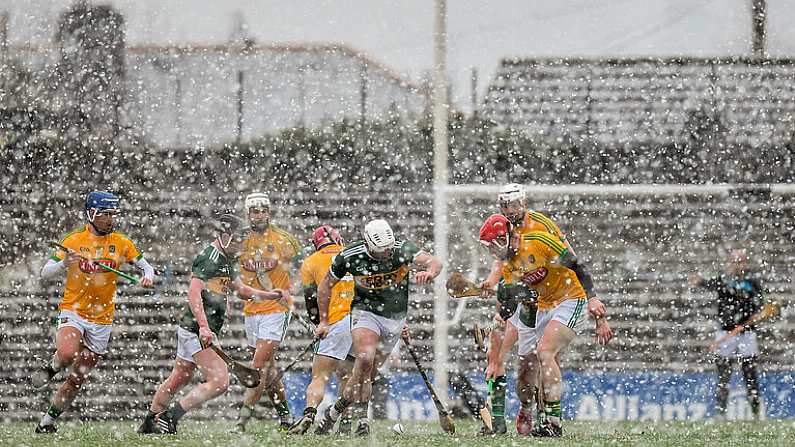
(302, 425)
(165, 423)
(147, 427)
(548, 430)
(345, 427)
(499, 425)
(524, 422)
(363, 428)
(50, 428)
(326, 424)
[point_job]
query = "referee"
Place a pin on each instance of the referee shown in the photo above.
(740, 295)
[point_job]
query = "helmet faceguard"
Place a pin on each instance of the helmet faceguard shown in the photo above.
(495, 234)
(101, 209)
(230, 231)
(258, 206)
(513, 202)
(379, 239)
(325, 235)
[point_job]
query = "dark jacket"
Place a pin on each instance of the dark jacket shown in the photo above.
(738, 298)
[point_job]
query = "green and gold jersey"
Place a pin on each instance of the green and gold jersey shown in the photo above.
(380, 287)
(217, 271)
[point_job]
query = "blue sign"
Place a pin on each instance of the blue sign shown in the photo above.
(610, 396)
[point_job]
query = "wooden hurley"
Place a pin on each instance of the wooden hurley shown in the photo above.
(768, 311)
(460, 287)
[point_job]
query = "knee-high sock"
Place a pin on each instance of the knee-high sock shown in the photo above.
(724, 370)
(751, 383)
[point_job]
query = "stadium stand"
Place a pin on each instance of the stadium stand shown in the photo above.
(641, 249)
(620, 101)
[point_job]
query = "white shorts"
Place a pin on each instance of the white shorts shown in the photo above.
(95, 336)
(337, 343)
(266, 327)
(527, 335)
(570, 313)
(188, 344)
(743, 345)
(387, 329)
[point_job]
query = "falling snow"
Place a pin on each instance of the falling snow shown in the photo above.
(654, 167)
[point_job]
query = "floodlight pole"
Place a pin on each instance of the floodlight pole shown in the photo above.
(440, 229)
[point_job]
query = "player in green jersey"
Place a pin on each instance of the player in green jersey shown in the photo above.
(380, 266)
(213, 277)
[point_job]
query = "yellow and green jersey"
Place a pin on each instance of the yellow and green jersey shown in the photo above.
(537, 266)
(90, 290)
(264, 264)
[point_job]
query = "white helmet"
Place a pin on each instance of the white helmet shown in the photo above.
(511, 193)
(378, 237)
(257, 200)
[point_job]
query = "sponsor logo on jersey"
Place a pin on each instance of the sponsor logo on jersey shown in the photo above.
(89, 267)
(382, 280)
(536, 276)
(263, 265)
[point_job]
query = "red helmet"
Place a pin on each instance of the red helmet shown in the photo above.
(495, 231)
(324, 235)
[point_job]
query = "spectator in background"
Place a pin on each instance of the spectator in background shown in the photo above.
(740, 296)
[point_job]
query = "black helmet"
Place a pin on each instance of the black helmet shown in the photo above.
(229, 224)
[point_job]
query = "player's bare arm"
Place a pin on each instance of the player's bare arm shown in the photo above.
(248, 292)
(197, 308)
(431, 265)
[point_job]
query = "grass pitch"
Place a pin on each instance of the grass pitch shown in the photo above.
(425, 434)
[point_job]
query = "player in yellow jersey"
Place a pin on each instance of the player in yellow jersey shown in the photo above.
(543, 269)
(87, 307)
(512, 200)
(518, 321)
(265, 262)
(333, 351)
